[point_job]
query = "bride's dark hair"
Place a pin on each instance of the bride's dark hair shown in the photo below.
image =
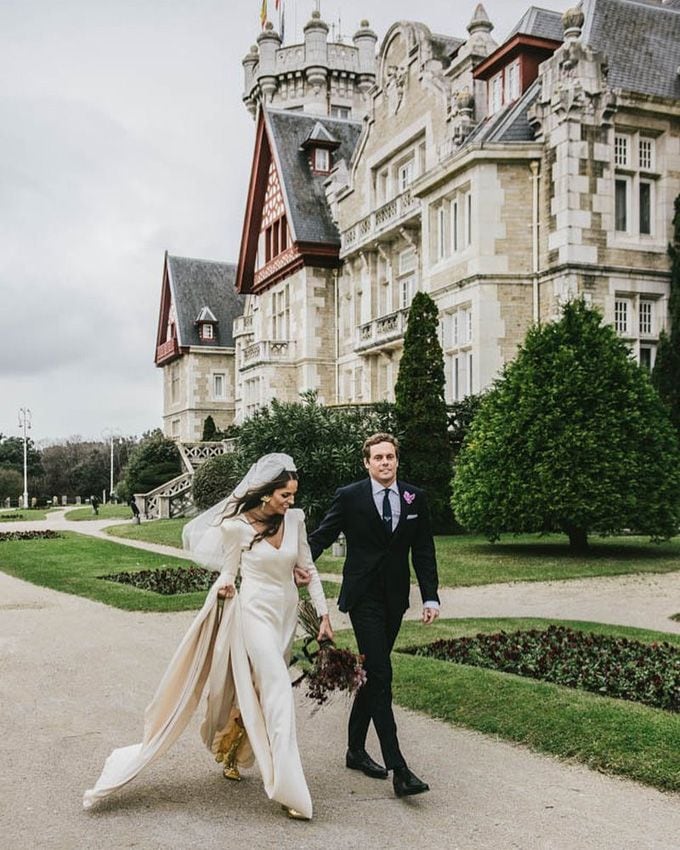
(253, 499)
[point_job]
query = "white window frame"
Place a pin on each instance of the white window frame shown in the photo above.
(467, 200)
(219, 378)
(512, 83)
(495, 93)
(441, 232)
(622, 150)
(646, 317)
(634, 159)
(455, 225)
(625, 181)
(622, 316)
(408, 260)
(406, 290)
(406, 174)
(322, 160)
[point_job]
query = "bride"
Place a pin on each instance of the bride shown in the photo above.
(241, 654)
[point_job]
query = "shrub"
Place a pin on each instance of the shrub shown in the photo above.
(215, 479)
(209, 430)
(28, 535)
(153, 461)
(615, 667)
(166, 580)
(11, 484)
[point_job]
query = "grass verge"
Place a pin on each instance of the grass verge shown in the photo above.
(21, 515)
(610, 735)
(468, 560)
(166, 532)
(73, 564)
(105, 512)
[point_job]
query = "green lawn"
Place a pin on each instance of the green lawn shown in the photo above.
(73, 564)
(610, 735)
(105, 512)
(466, 560)
(21, 515)
(167, 532)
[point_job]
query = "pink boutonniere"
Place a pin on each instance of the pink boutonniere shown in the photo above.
(409, 497)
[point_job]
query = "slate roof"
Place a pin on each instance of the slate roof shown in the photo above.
(509, 124)
(541, 23)
(310, 217)
(196, 284)
(445, 47)
(641, 42)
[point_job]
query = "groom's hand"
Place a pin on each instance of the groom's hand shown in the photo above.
(430, 615)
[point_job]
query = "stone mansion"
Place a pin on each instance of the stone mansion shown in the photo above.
(502, 179)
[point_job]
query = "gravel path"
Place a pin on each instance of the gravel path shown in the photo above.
(76, 675)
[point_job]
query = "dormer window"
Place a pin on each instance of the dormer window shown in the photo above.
(206, 324)
(322, 160)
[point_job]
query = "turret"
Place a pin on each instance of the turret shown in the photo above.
(365, 40)
(268, 42)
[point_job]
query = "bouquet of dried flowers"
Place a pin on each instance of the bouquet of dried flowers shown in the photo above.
(327, 668)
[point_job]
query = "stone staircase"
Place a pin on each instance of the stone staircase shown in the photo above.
(173, 499)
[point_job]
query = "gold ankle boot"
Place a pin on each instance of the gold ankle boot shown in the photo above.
(230, 770)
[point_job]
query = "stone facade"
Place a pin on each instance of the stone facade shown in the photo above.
(501, 179)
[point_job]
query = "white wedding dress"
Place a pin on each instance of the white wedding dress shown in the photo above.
(242, 655)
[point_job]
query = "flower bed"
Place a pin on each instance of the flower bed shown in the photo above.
(28, 535)
(167, 581)
(615, 667)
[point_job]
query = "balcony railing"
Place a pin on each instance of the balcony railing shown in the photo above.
(385, 218)
(268, 351)
(381, 332)
(166, 350)
(243, 325)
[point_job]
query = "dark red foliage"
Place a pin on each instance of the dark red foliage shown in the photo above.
(29, 535)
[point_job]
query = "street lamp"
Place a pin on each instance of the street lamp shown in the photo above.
(110, 435)
(25, 424)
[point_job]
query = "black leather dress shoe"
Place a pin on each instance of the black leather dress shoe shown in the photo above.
(363, 762)
(406, 783)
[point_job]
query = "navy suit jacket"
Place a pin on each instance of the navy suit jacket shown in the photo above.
(371, 548)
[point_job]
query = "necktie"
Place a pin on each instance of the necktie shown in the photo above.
(387, 510)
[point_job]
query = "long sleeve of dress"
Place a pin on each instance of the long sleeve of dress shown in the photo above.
(231, 530)
(306, 561)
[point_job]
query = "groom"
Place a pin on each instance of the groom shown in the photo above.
(383, 520)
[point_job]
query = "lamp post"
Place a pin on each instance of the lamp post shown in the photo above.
(110, 435)
(25, 424)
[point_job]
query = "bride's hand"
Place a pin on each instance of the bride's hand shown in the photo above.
(325, 629)
(301, 576)
(227, 592)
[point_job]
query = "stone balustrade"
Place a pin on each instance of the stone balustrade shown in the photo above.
(390, 215)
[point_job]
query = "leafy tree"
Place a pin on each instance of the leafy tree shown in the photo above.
(461, 413)
(421, 409)
(209, 430)
(12, 456)
(572, 438)
(77, 467)
(11, 484)
(215, 479)
(666, 374)
(153, 461)
(325, 444)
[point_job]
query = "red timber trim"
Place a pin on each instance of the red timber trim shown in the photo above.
(259, 173)
(289, 261)
(296, 254)
(166, 350)
(510, 50)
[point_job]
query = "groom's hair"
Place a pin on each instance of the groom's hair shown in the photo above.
(380, 437)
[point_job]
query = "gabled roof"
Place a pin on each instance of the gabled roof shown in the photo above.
(320, 135)
(280, 141)
(641, 43)
(541, 23)
(196, 285)
(509, 124)
(206, 315)
(305, 197)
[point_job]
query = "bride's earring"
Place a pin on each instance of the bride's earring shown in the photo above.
(265, 500)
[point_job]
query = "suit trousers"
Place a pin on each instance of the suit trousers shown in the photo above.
(376, 627)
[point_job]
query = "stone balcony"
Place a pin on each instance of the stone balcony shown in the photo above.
(383, 333)
(268, 351)
(386, 218)
(243, 325)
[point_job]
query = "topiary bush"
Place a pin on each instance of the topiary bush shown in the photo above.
(215, 479)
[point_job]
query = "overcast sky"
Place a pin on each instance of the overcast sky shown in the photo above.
(123, 134)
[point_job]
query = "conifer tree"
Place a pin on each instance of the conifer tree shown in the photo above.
(209, 430)
(572, 438)
(420, 409)
(666, 373)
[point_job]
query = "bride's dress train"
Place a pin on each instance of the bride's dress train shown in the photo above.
(242, 657)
